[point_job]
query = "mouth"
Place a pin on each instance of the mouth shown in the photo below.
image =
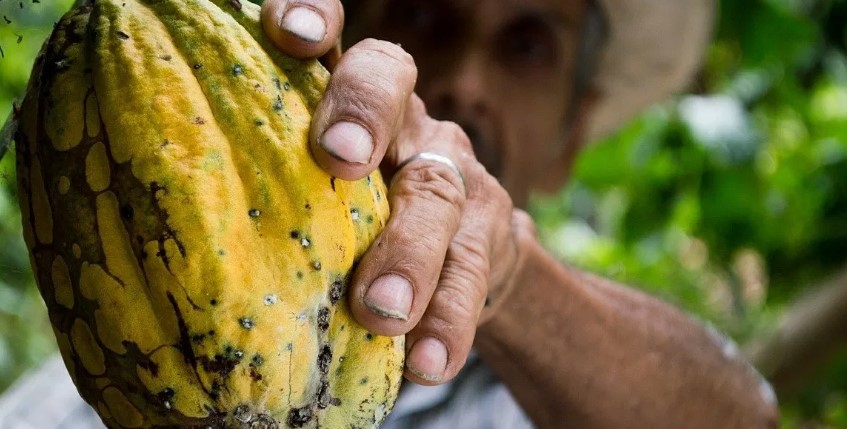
(485, 149)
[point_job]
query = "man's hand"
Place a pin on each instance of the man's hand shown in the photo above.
(449, 242)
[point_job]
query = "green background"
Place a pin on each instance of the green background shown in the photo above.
(730, 202)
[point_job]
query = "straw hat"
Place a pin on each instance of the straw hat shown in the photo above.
(652, 50)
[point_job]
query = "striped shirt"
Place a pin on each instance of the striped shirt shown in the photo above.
(475, 399)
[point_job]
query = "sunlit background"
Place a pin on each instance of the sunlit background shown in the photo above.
(730, 202)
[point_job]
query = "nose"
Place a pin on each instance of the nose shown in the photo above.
(457, 91)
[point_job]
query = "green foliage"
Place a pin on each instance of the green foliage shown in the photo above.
(25, 335)
(731, 202)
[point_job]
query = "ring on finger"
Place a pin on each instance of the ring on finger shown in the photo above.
(432, 156)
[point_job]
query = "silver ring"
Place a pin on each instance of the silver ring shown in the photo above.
(432, 156)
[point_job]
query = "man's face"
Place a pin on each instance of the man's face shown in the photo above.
(503, 69)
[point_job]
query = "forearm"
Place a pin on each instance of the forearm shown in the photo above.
(580, 351)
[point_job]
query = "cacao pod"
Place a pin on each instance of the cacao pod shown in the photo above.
(192, 256)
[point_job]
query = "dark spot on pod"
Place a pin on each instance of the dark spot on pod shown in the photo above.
(332, 182)
(122, 35)
(278, 103)
(237, 70)
(165, 57)
(324, 398)
(221, 252)
(127, 212)
(369, 336)
(295, 234)
(198, 66)
(257, 360)
(259, 122)
(166, 397)
(211, 332)
(263, 421)
(242, 413)
(254, 213)
(223, 363)
(324, 359)
(298, 417)
(287, 86)
(277, 83)
(62, 65)
(255, 375)
(336, 291)
(323, 319)
(316, 265)
(246, 322)
(198, 338)
(363, 381)
(299, 274)
(307, 206)
(199, 121)
(370, 219)
(213, 301)
(215, 391)
(378, 196)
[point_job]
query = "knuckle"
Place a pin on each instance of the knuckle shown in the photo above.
(470, 256)
(460, 300)
(392, 56)
(430, 181)
(457, 309)
(456, 135)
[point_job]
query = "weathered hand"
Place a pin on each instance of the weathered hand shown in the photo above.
(450, 243)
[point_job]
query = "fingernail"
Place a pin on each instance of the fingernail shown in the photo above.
(349, 142)
(428, 359)
(390, 296)
(304, 23)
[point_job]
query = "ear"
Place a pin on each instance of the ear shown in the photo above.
(558, 170)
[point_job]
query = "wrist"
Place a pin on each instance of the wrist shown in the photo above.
(524, 244)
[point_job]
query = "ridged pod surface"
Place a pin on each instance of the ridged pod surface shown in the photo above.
(192, 256)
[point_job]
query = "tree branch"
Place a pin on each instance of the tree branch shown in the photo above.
(809, 332)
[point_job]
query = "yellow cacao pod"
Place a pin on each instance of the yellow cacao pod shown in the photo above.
(192, 256)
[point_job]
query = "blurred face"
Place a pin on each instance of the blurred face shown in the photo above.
(503, 69)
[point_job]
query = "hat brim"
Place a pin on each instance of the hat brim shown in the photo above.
(653, 49)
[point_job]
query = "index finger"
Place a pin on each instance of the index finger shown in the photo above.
(303, 28)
